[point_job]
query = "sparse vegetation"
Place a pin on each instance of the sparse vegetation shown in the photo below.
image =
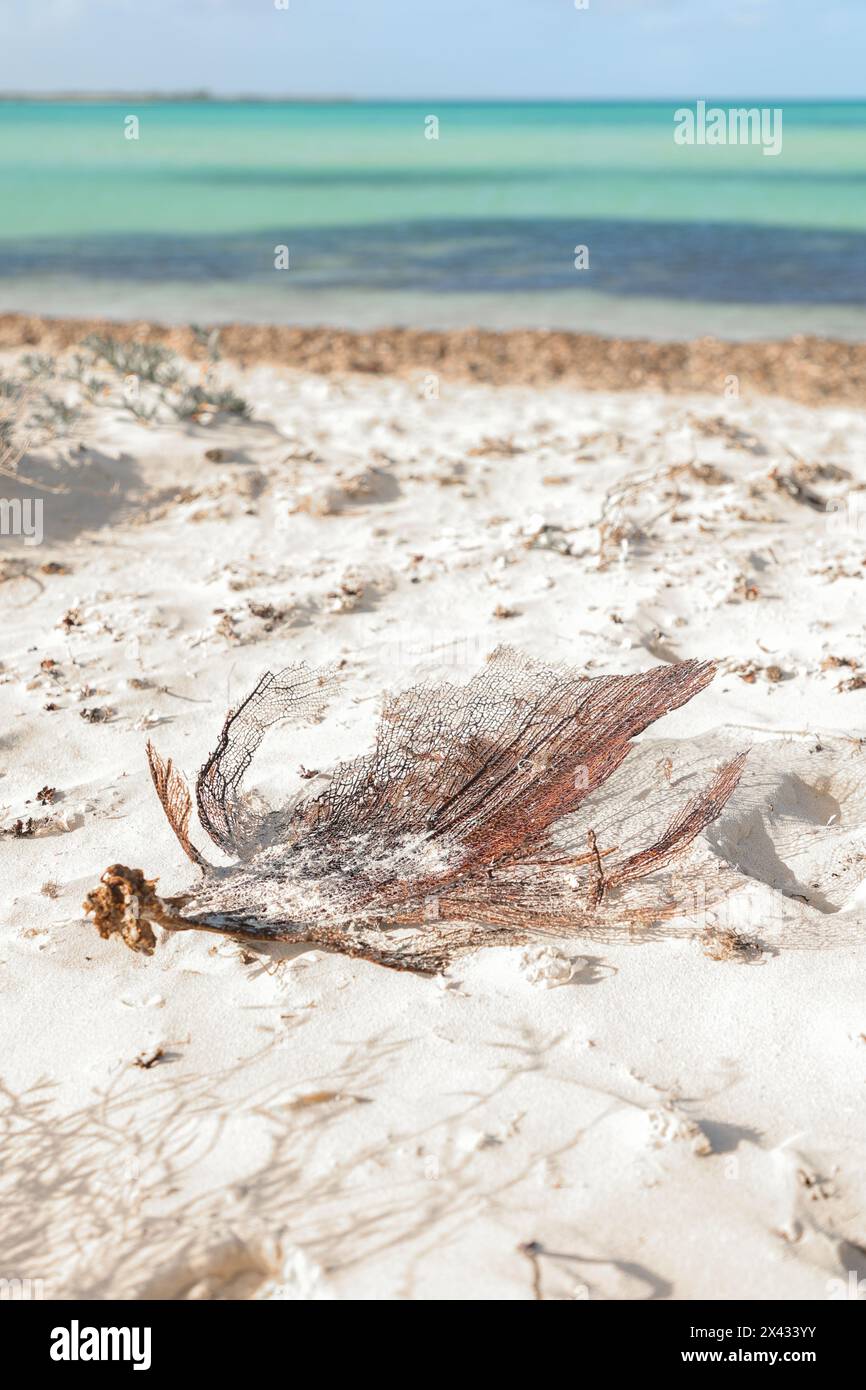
(152, 365)
(147, 361)
(205, 400)
(52, 415)
(39, 366)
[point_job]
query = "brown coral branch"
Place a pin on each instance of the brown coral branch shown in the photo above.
(176, 801)
(443, 837)
(125, 904)
(599, 883)
(699, 812)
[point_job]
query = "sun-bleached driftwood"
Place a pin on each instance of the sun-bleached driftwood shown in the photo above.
(445, 837)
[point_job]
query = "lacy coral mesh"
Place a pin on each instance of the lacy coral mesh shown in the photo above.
(449, 833)
(296, 694)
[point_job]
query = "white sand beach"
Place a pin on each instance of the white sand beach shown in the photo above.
(579, 1119)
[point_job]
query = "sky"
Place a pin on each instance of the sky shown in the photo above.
(417, 49)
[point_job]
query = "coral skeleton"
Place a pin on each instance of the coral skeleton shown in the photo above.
(473, 821)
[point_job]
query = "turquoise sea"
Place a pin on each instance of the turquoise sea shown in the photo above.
(384, 225)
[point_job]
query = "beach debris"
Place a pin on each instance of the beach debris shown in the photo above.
(793, 485)
(708, 473)
(20, 829)
(441, 839)
(12, 569)
(55, 823)
(832, 663)
(71, 618)
(348, 595)
(125, 903)
(268, 613)
(749, 671)
(453, 476)
(743, 591)
(666, 1124)
(97, 714)
(839, 571)
(600, 441)
(548, 967)
(349, 490)
(496, 448)
(717, 427)
(723, 943)
(149, 1056)
(618, 528)
(357, 588)
(547, 537)
(857, 679)
(309, 1098)
(149, 720)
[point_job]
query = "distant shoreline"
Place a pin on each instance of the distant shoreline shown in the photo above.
(810, 370)
(198, 98)
(205, 98)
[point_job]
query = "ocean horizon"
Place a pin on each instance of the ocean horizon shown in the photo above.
(585, 216)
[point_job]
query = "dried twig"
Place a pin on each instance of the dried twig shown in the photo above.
(798, 490)
(614, 525)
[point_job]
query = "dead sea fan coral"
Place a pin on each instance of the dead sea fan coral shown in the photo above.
(447, 836)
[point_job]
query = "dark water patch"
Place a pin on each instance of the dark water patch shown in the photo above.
(708, 262)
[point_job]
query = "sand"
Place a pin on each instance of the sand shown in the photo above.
(581, 1119)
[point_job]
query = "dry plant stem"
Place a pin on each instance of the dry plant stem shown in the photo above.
(613, 516)
(12, 454)
(18, 477)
